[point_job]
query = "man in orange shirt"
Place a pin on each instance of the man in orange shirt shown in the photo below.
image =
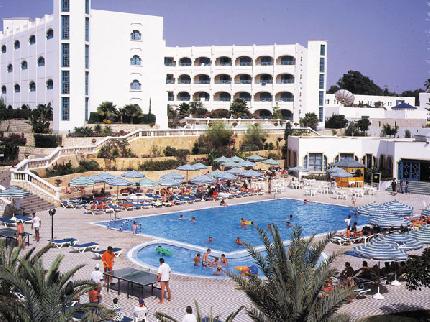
(108, 259)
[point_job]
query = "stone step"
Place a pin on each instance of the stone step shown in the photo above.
(33, 203)
(417, 187)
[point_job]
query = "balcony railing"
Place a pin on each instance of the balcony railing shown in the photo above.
(170, 64)
(243, 81)
(184, 82)
(285, 81)
(223, 64)
(170, 81)
(286, 99)
(244, 63)
(223, 81)
(265, 82)
(184, 64)
(266, 63)
(288, 62)
(202, 82)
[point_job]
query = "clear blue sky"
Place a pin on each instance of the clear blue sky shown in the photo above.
(388, 40)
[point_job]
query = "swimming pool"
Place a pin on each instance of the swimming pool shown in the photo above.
(223, 224)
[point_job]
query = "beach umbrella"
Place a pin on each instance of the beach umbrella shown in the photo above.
(398, 207)
(133, 174)
(380, 250)
(221, 159)
(250, 174)
(231, 164)
(405, 241)
(118, 182)
(169, 182)
(14, 193)
(185, 167)
(223, 175)
(246, 164)
(341, 174)
(173, 175)
(236, 159)
(203, 179)
(199, 166)
(368, 209)
(388, 221)
(235, 171)
(423, 234)
(426, 212)
(334, 169)
(82, 182)
(271, 162)
(298, 169)
(102, 177)
(145, 182)
(255, 158)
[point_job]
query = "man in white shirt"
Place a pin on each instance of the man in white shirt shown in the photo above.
(36, 222)
(189, 316)
(163, 276)
(140, 312)
(348, 221)
(96, 275)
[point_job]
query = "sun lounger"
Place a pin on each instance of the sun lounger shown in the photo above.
(116, 250)
(81, 248)
(60, 243)
(7, 222)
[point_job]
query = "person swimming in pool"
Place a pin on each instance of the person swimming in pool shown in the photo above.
(224, 260)
(193, 220)
(181, 217)
(210, 239)
(205, 259)
(238, 241)
(215, 262)
(197, 259)
(134, 227)
(289, 224)
(218, 271)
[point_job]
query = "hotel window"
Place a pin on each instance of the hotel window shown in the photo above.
(65, 5)
(17, 44)
(65, 55)
(321, 98)
(32, 86)
(87, 29)
(170, 96)
(135, 85)
(49, 84)
(315, 161)
(86, 108)
(322, 65)
(24, 65)
(135, 60)
(87, 7)
(65, 27)
(3, 49)
(65, 82)
(41, 61)
(9, 68)
(32, 40)
(321, 82)
(65, 108)
(136, 35)
(87, 76)
(322, 50)
(3, 89)
(50, 34)
(17, 88)
(87, 56)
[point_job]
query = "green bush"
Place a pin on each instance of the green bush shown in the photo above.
(47, 140)
(147, 119)
(61, 169)
(159, 165)
(94, 118)
(14, 113)
(88, 166)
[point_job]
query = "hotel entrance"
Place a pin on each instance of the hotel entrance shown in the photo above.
(414, 170)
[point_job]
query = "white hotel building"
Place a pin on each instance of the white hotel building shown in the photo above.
(78, 57)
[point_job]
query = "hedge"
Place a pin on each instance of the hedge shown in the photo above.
(47, 140)
(159, 165)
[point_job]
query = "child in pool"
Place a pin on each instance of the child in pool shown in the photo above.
(224, 260)
(197, 260)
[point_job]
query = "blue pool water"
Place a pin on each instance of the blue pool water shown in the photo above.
(223, 224)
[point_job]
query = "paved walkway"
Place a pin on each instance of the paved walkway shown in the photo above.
(220, 295)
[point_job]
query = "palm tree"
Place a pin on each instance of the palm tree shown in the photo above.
(130, 111)
(427, 85)
(162, 317)
(107, 110)
(294, 279)
(30, 292)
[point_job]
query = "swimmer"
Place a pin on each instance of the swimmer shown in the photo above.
(242, 222)
(218, 271)
(305, 201)
(238, 241)
(223, 203)
(210, 239)
(134, 227)
(224, 260)
(291, 217)
(205, 259)
(289, 224)
(197, 259)
(193, 220)
(181, 217)
(215, 262)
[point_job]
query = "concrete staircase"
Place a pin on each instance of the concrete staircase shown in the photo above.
(417, 187)
(33, 203)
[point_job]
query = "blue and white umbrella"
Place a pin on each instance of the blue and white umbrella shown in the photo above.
(368, 209)
(82, 182)
(102, 177)
(232, 164)
(251, 174)
(145, 182)
(236, 159)
(199, 166)
(172, 175)
(203, 179)
(246, 164)
(340, 174)
(271, 162)
(14, 192)
(221, 159)
(405, 241)
(255, 158)
(223, 175)
(423, 234)
(235, 171)
(398, 207)
(388, 221)
(118, 182)
(298, 169)
(133, 174)
(334, 169)
(185, 167)
(169, 182)
(380, 250)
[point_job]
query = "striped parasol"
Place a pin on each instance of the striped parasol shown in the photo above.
(405, 241)
(223, 175)
(133, 174)
(203, 179)
(271, 162)
(246, 164)
(14, 192)
(82, 182)
(255, 158)
(251, 174)
(145, 182)
(380, 250)
(388, 221)
(398, 207)
(423, 234)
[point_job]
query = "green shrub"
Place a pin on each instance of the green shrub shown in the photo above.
(88, 166)
(159, 165)
(147, 119)
(94, 118)
(61, 169)
(47, 140)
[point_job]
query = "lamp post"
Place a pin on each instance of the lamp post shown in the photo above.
(52, 213)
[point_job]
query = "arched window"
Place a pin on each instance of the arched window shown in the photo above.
(24, 65)
(50, 33)
(41, 61)
(32, 86)
(17, 44)
(185, 61)
(32, 40)
(135, 60)
(3, 89)
(3, 49)
(17, 88)
(9, 68)
(49, 84)
(135, 85)
(135, 35)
